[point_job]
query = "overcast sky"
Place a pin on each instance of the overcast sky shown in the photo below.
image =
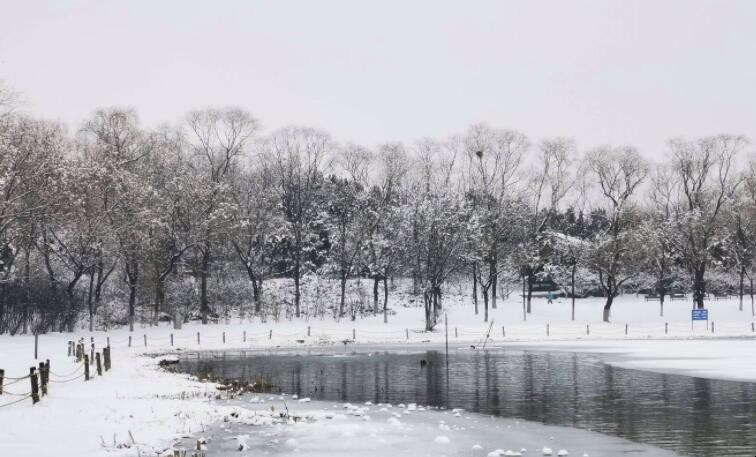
(603, 72)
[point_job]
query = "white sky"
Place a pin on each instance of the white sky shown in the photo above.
(618, 72)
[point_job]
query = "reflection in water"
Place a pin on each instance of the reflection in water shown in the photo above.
(694, 416)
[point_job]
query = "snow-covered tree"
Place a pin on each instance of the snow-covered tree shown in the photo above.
(613, 252)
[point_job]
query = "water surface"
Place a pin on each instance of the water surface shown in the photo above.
(693, 416)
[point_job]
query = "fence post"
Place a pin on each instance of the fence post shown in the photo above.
(587, 329)
(107, 340)
(2, 375)
(244, 336)
(407, 331)
(547, 329)
(712, 326)
(224, 337)
(270, 335)
(41, 371)
(99, 364)
(171, 339)
(455, 332)
(69, 348)
(106, 356)
(666, 328)
(354, 335)
(34, 385)
(625, 329)
(47, 375)
(145, 340)
(86, 367)
(36, 344)
(129, 340)
(198, 338)
(502, 331)
(308, 330)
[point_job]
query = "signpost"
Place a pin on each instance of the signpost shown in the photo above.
(699, 315)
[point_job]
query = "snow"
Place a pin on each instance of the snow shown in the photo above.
(138, 406)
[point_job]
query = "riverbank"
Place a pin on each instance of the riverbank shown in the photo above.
(137, 408)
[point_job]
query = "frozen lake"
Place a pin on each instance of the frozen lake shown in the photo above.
(688, 415)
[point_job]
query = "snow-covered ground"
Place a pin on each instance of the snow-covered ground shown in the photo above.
(137, 403)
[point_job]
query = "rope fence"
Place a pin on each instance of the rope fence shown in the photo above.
(40, 377)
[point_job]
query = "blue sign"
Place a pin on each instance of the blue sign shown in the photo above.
(700, 315)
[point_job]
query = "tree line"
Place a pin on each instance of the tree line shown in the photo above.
(185, 220)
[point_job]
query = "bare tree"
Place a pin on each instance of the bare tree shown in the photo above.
(549, 183)
(296, 158)
(618, 173)
(703, 171)
(218, 139)
(493, 159)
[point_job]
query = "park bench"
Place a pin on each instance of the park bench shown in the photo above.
(652, 297)
(678, 296)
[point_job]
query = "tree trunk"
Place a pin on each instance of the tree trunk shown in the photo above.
(661, 290)
(530, 291)
(27, 295)
(572, 292)
(89, 303)
(132, 275)
(256, 286)
(492, 271)
(428, 311)
(342, 284)
(750, 291)
(376, 304)
(385, 298)
(484, 292)
(740, 292)
(608, 306)
(296, 287)
(699, 287)
(204, 307)
(475, 287)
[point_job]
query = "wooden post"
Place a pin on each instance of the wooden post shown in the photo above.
(502, 331)
(625, 329)
(198, 338)
(106, 357)
(41, 372)
(354, 335)
(2, 375)
(47, 374)
(171, 339)
(308, 330)
(406, 330)
(69, 348)
(34, 385)
(666, 328)
(91, 354)
(99, 364)
(36, 344)
(547, 329)
(244, 336)
(587, 329)
(86, 367)
(270, 335)
(224, 337)
(455, 333)
(107, 339)
(129, 340)
(145, 340)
